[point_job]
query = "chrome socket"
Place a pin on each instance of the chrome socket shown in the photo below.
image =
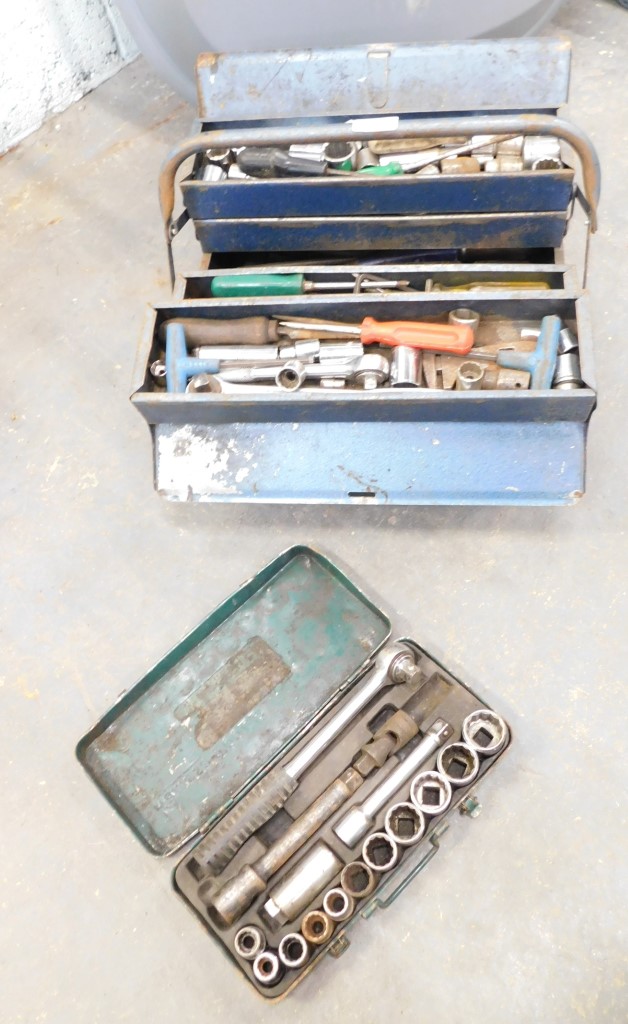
(291, 376)
(309, 876)
(510, 147)
(338, 905)
(337, 153)
(214, 172)
(203, 383)
(430, 792)
(463, 317)
(505, 163)
(405, 824)
(293, 950)
(567, 342)
(470, 376)
(380, 852)
(267, 968)
(366, 158)
(459, 764)
(486, 732)
(249, 942)
(540, 147)
(547, 163)
(486, 144)
(405, 367)
(460, 165)
(219, 156)
(357, 880)
(158, 371)
(567, 376)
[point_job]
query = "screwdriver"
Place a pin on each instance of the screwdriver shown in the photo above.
(478, 286)
(249, 330)
(383, 170)
(454, 338)
(270, 162)
(236, 285)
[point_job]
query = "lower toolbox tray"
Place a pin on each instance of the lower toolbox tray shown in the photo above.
(317, 761)
(393, 445)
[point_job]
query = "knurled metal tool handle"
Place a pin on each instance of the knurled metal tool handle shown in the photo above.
(271, 792)
(266, 798)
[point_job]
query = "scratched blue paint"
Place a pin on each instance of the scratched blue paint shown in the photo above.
(519, 74)
(493, 231)
(404, 463)
(531, 191)
(145, 755)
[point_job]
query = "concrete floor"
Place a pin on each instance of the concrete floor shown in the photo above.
(521, 917)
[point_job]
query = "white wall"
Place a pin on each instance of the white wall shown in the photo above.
(51, 53)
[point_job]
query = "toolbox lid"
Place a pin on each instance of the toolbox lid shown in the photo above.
(476, 75)
(231, 697)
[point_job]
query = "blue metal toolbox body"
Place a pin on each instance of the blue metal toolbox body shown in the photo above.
(489, 236)
(375, 86)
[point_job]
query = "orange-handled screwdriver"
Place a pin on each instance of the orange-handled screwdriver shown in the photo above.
(457, 339)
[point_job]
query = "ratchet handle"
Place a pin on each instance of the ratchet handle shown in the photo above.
(453, 338)
(243, 820)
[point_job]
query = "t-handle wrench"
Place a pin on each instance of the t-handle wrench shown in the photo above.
(396, 663)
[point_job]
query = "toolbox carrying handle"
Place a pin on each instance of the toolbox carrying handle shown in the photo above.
(383, 902)
(498, 124)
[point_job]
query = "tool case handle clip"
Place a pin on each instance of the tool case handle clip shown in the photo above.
(385, 899)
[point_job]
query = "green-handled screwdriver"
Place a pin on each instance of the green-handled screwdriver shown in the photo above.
(383, 170)
(229, 286)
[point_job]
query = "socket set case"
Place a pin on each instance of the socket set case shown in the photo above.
(307, 763)
(485, 242)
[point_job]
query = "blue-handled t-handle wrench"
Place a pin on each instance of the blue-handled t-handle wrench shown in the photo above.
(179, 365)
(540, 364)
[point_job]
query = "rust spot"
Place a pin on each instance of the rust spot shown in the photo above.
(232, 691)
(209, 60)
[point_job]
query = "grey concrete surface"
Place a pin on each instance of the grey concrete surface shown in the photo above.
(522, 916)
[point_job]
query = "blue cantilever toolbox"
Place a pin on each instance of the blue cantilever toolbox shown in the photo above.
(483, 237)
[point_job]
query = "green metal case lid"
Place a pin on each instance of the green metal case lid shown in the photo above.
(231, 697)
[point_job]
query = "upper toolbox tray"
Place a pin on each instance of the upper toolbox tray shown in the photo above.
(477, 88)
